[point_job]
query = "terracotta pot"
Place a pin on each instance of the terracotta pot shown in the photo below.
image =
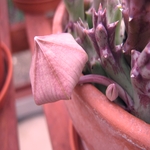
(36, 6)
(104, 125)
(2, 66)
(100, 123)
(6, 71)
(76, 142)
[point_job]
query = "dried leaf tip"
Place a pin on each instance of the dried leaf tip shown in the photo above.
(120, 7)
(57, 64)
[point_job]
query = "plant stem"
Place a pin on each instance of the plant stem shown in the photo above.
(106, 81)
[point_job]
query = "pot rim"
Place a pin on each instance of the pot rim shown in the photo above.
(73, 137)
(127, 124)
(33, 2)
(8, 78)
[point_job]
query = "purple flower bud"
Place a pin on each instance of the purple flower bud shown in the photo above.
(112, 92)
(106, 81)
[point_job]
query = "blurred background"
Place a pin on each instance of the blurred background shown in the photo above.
(32, 127)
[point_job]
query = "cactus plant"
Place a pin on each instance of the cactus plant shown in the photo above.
(118, 50)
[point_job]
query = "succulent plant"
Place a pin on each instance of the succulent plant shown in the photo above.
(118, 49)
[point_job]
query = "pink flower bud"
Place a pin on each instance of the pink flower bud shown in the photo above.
(56, 67)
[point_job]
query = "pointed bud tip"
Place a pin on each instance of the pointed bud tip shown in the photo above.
(35, 38)
(132, 76)
(130, 19)
(120, 7)
(112, 92)
(100, 7)
(105, 56)
(50, 79)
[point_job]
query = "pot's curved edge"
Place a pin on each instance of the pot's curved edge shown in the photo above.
(8, 78)
(75, 140)
(2, 69)
(125, 122)
(36, 7)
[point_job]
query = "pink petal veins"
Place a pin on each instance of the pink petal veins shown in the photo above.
(56, 67)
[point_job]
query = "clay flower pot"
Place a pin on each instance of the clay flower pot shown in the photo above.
(2, 66)
(100, 123)
(36, 6)
(8, 121)
(5, 71)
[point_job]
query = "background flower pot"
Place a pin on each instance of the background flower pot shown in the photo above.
(76, 142)
(8, 121)
(2, 66)
(100, 123)
(36, 6)
(6, 71)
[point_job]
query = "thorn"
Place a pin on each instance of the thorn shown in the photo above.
(100, 7)
(36, 38)
(120, 7)
(134, 73)
(130, 19)
(105, 56)
(113, 25)
(123, 51)
(116, 22)
(132, 76)
(104, 12)
(132, 51)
